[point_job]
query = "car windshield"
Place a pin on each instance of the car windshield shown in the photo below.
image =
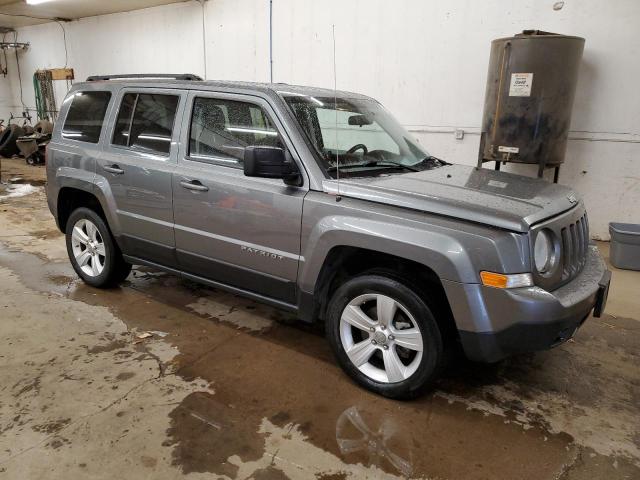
(359, 134)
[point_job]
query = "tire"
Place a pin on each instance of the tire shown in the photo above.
(8, 146)
(399, 339)
(92, 251)
(123, 271)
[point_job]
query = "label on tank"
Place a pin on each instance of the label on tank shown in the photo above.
(520, 84)
(504, 149)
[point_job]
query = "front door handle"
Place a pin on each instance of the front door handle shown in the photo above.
(194, 185)
(113, 169)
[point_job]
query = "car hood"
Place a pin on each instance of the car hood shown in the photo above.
(480, 195)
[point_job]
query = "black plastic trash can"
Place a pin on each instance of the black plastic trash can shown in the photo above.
(625, 245)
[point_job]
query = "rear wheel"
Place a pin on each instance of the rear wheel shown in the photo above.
(93, 253)
(385, 336)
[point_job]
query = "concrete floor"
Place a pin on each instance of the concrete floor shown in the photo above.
(225, 387)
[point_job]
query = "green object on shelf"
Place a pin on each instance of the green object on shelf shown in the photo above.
(39, 102)
(45, 97)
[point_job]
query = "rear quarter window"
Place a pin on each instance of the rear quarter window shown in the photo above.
(86, 116)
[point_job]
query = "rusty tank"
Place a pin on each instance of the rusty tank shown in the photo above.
(531, 86)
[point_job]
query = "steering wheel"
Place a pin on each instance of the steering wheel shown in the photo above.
(358, 146)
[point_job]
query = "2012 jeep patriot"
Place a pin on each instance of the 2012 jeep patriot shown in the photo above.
(319, 202)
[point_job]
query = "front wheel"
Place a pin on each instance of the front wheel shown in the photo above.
(93, 253)
(384, 336)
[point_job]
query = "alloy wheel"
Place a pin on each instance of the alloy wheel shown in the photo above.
(381, 338)
(88, 247)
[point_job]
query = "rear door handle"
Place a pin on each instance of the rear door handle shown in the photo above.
(194, 185)
(113, 169)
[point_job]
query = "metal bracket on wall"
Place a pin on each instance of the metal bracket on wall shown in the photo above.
(16, 45)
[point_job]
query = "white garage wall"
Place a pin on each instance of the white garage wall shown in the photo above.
(165, 39)
(425, 60)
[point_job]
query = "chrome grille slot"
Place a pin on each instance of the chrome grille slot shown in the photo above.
(574, 249)
(583, 243)
(575, 242)
(566, 253)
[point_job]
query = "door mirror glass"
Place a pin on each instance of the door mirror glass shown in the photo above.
(270, 162)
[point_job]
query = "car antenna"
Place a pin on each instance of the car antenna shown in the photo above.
(335, 108)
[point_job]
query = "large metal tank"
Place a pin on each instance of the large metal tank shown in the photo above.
(529, 97)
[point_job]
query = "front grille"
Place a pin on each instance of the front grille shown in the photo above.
(575, 241)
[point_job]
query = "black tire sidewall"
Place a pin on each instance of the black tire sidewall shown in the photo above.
(5, 135)
(8, 139)
(110, 273)
(431, 362)
(123, 271)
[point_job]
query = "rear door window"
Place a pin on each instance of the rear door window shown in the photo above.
(145, 122)
(221, 130)
(86, 116)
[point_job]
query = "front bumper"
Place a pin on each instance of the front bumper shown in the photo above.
(494, 323)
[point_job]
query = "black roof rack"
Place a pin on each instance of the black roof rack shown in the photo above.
(173, 76)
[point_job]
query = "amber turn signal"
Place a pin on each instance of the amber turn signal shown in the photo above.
(500, 280)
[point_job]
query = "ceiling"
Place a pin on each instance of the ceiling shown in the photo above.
(68, 9)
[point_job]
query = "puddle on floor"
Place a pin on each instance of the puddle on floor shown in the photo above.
(282, 405)
(430, 438)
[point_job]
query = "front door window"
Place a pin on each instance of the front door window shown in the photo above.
(221, 129)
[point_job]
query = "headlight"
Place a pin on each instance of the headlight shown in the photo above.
(543, 252)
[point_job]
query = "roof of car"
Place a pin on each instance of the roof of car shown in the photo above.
(269, 88)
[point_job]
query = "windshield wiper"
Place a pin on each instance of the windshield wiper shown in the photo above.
(437, 162)
(390, 163)
(378, 163)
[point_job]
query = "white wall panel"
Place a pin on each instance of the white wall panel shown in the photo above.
(238, 40)
(425, 60)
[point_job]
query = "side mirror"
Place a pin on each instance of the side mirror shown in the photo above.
(271, 162)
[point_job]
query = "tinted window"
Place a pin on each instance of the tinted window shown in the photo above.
(221, 129)
(145, 121)
(86, 115)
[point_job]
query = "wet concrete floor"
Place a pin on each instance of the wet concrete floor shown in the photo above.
(164, 378)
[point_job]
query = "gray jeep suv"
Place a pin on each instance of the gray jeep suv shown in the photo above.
(320, 203)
